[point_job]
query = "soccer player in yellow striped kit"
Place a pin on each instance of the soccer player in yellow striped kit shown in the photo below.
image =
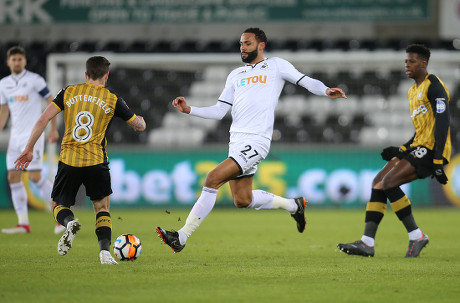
(88, 110)
(422, 156)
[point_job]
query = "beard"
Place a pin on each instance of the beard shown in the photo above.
(251, 56)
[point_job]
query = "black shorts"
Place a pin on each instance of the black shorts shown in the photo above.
(96, 180)
(421, 159)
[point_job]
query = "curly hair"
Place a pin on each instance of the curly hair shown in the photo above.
(260, 35)
(419, 49)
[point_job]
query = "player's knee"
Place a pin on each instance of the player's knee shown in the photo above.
(212, 180)
(377, 182)
(14, 178)
(34, 178)
(387, 183)
(241, 202)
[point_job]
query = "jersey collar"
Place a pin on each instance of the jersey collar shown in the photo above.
(255, 64)
(18, 76)
(96, 85)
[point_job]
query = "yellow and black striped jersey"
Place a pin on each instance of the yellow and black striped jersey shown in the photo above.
(88, 111)
(429, 106)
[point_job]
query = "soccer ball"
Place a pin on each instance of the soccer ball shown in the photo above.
(127, 247)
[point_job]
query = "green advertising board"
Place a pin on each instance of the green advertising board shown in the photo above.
(208, 11)
(327, 178)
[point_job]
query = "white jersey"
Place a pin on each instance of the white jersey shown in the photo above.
(253, 92)
(24, 94)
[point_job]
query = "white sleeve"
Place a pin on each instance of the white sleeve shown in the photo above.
(216, 111)
(290, 73)
(2, 98)
(40, 86)
(315, 86)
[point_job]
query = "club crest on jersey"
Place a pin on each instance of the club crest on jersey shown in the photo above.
(440, 105)
(250, 80)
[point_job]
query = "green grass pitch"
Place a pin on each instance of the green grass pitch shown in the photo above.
(235, 256)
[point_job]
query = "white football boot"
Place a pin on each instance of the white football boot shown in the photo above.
(65, 242)
(106, 258)
(18, 229)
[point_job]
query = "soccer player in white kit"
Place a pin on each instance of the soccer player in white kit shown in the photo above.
(21, 95)
(252, 92)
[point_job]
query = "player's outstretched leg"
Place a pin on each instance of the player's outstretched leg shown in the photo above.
(416, 246)
(171, 238)
(357, 248)
(65, 242)
(106, 258)
(299, 215)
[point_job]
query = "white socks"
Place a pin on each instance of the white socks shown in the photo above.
(199, 212)
(265, 200)
(368, 241)
(45, 187)
(415, 234)
(205, 203)
(19, 197)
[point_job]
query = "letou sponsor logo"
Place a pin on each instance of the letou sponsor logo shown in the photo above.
(19, 98)
(251, 80)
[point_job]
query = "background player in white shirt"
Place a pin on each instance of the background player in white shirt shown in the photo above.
(252, 92)
(21, 95)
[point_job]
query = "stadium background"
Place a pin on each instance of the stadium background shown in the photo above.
(327, 151)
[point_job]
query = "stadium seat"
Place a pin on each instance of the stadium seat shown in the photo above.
(377, 97)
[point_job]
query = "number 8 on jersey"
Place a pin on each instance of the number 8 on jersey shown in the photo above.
(82, 130)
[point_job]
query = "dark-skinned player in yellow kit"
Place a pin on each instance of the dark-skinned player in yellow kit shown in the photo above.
(424, 155)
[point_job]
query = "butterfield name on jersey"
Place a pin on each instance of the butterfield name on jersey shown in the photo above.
(88, 98)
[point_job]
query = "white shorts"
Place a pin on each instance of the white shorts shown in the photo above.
(15, 149)
(248, 150)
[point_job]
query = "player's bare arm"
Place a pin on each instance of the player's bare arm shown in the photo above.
(4, 113)
(335, 93)
(138, 124)
(23, 161)
(53, 135)
(181, 105)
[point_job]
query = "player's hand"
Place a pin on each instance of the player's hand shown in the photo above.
(181, 105)
(138, 124)
(53, 136)
(141, 127)
(24, 159)
(439, 174)
(335, 93)
(390, 152)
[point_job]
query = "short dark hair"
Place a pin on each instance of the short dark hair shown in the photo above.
(260, 35)
(97, 67)
(15, 50)
(419, 49)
